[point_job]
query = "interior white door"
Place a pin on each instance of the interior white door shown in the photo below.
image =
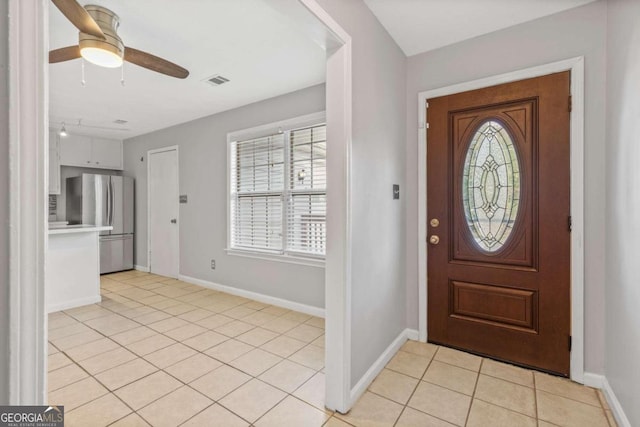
(163, 213)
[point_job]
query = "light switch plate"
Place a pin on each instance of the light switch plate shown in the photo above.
(183, 198)
(396, 192)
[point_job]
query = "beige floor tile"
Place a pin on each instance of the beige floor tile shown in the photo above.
(319, 342)
(603, 399)
(77, 394)
(100, 412)
(57, 361)
(506, 394)
(65, 331)
(133, 313)
(229, 350)
(420, 348)
(170, 355)
(567, 412)
(275, 311)
(150, 344)
(451, 377)
(412, 418)
(235, 328)
(304, 332)
(205, 341)
(259, 318)
(545, 424)
(133, 335)
(167, 324)
(507, 372)
(64, 376)
(441, 402)
(148, 389)
(313, 391)
(409, 364)
(150, 318)
(193, 367)
(107, 360)
(126, 373)
(484, 414)
(174, 408)
(176, 310)
(185, 332)
(255, 305)
(458, 358)
(280, 325)
(372, 410)
(283, 346)
(394, 386)
(287, 376)
(216, 416)
(317, 322)
(309, 356)
(239, 312)
(91, 349)
(566, 388)
(252, 400)
(131, 420)
(215, 321)
(52, 349)
(255, 362)
(93, 314)
(60, 320)
(296, 316)
(111, 325)
(293, 412)
(195, 315)
(220, 382)
(611, 418)
(257, 337)
(66, 343)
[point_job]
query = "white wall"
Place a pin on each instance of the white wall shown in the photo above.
(378, 245)
(623, 205)
(577, 32)
(4, 203)
(203, 178)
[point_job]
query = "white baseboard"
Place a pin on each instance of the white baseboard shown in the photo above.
(413, 334)
(593, 380)
(266, 299)
(74, 303)
(141, 268)
(614, 404)
(371, 374)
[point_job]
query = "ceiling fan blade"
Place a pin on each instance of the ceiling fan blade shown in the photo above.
(154, 63)
(64, 54)
(79, 17)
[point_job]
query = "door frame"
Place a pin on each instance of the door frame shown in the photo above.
(149, 153)
(576, 66)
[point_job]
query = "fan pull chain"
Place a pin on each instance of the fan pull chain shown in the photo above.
(83, 82)
(122, 78)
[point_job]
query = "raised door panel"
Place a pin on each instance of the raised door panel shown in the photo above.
(75, 150)
(106, 153)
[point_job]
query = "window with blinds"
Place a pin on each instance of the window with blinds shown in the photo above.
(278, 193)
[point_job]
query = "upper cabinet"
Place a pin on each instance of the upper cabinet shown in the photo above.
(89, 152)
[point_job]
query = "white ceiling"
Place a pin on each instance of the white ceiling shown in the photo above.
(422, 25)
(245, 41)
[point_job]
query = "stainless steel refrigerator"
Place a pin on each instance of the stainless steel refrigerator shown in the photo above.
(105, 200)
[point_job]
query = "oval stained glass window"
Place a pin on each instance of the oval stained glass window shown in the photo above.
(491, 186)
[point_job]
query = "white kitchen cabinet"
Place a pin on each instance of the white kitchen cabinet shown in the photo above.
(54, 163)
(89, 152)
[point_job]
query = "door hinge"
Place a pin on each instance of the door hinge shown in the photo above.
(569, 342)
(570, 103)
(569, 223)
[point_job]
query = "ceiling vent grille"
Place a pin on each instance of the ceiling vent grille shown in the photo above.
(120, 122)
(217, 80)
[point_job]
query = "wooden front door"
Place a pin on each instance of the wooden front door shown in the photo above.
(498, 224)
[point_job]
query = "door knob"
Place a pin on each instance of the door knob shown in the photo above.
(174, 221)
(434, 240)
(434, 222)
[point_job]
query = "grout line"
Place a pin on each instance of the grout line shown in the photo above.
(473, 394)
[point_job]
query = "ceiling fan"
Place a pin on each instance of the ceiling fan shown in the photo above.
(100, 44)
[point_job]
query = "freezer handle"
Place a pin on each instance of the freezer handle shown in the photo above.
(116, 237)
(111, 198)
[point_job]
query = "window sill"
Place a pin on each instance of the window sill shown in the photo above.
(291, 259)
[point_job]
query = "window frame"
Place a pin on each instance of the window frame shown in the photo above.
(283, 126)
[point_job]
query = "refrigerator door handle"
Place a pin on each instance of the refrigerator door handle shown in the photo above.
(111, 197)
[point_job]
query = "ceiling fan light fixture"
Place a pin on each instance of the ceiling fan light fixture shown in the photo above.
(101, 57)
(63, 131)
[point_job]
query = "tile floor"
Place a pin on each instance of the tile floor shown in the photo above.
(162, 352)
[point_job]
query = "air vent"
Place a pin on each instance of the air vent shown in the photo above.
(217, 80)
(120, 122)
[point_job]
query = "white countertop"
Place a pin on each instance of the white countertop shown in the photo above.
(80, 228)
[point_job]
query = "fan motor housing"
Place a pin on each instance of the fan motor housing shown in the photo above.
(108, 23)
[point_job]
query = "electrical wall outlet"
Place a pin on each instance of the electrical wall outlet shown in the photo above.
(213, 264)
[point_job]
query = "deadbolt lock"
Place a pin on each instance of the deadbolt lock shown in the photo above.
(434, 222)
(434, 240)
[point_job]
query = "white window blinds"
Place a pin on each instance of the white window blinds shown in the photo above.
(278, 193)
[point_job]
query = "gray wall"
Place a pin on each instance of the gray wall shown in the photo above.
(623, 205)
(4, 204)
(378, 162)
(577, 32)
(203, 220)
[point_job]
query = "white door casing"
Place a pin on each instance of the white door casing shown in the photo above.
(162, 212)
